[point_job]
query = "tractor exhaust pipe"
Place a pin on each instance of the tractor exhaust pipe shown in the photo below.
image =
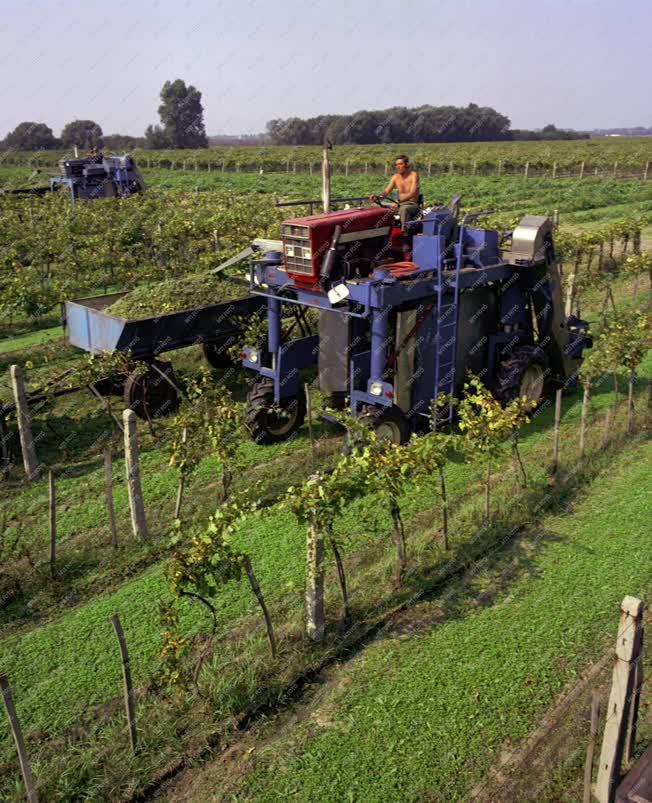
(330, 260)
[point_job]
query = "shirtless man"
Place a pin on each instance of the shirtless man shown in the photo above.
(406, 182)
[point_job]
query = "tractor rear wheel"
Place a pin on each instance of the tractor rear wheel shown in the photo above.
(389, 423)
(269, 422)
(523, 372)
(149, 394)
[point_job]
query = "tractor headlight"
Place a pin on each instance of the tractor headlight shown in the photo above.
(253, 355)
(376, 388)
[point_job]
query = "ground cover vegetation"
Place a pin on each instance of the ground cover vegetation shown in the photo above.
(83, 744)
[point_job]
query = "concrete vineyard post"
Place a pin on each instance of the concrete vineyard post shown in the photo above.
(526, 169)
(314, 583)
(555, 436)
(28, 449)
(386, 168)
(130, 703)
(554, 169)
(132, 468)
(582, 170)
(429, 167)
(17, 733)
(52, 510)
(108, 495)
(607, 428)
(618, 724)
(615, 169)
(475, 166)
(645, 171)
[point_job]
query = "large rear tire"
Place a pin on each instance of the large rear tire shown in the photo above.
(523, 372)
(269, 422)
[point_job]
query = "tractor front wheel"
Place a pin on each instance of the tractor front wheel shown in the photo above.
(389, 423)
(523, 372)
(269, 422)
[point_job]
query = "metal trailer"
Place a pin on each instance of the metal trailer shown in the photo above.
(396, 335)
(153, 392)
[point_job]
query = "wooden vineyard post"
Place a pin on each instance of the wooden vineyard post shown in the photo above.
(526, 169)
(646, 170)
(17, 733)
(309, 416)
(607, 428)
(630, 403)
(108, 495)
(429, 167)
(554, 169)
(52, 509)
(132, 468)
(314, 583)
(588, 764)
(582, 170)
(326, 180)
(583, 418)
(618, 724)
(555, 436)
(386, 168)
(130, 705)
(570, 294)
(27, 447)
(475, 167)
(182, 480)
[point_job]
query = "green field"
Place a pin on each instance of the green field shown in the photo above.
(380, 713)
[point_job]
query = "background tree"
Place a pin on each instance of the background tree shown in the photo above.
(156, 138)
(30, 137)
(182, 116)
(83, 133)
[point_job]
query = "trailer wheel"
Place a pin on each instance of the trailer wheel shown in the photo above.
(522, 373)
(216, 352)
(268, 422)
(149, 394)
(389, 423)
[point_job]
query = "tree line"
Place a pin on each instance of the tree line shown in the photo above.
(182, 126)
(472, 123)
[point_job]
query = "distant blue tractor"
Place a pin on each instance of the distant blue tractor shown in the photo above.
(103, 177)
(396, 334)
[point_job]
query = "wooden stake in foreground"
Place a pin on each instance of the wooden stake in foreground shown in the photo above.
(555, 437)
(132, 467)
(314, 584)
(30, 461)
(623, 690)
(108, 495)
(130, 704)
(52, 505)
(25, 767)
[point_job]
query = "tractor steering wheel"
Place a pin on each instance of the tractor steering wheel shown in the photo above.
(391, 205)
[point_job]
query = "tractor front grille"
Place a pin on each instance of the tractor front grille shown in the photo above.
(297, 250)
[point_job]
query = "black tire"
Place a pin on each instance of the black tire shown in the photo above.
(389, 423)
(149, 394)
(269, 423)
(523, 372)
(216, 352)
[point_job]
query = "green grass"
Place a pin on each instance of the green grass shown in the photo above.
(62, 669)
(425, 715)
(32, 339)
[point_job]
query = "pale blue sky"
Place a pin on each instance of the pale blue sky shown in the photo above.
(576, 63)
